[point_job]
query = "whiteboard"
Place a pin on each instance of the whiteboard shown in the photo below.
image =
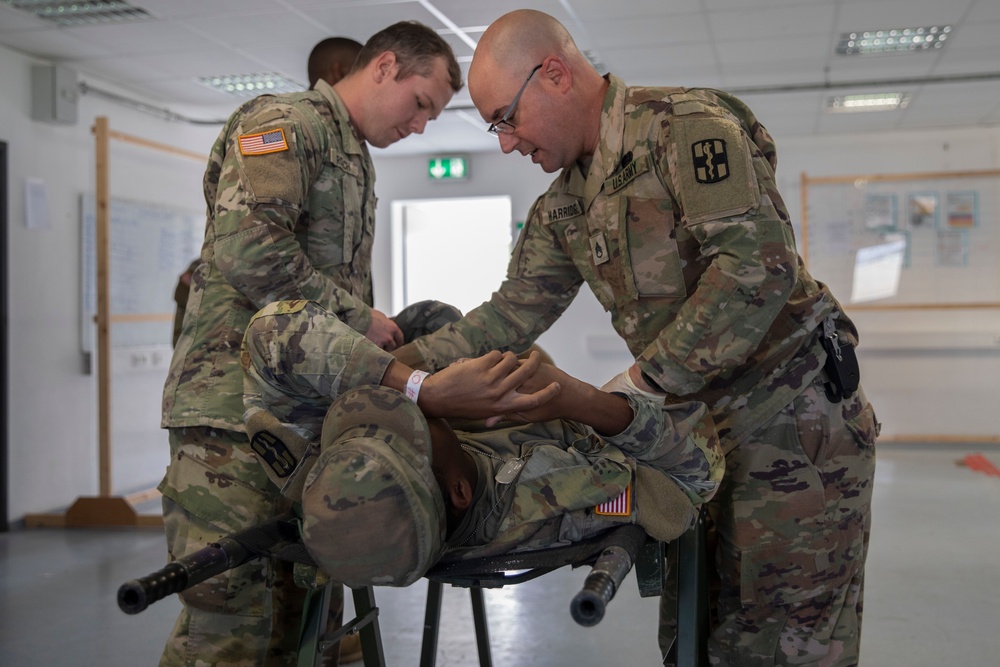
(151, 245)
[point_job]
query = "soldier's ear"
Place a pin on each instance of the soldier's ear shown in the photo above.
(384, 67)
(557, 73)
(461, 494)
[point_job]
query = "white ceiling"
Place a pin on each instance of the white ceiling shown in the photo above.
(776, 54)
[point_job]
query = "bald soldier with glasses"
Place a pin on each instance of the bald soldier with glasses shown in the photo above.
(666, 205)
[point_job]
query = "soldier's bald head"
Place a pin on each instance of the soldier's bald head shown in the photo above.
(515, 43)
(531, 52)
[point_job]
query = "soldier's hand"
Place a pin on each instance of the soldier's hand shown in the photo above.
(607, 413)
(384, 332)
(485, 387)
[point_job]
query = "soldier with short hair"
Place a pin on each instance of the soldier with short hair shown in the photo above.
(291, 212)
(667, 206)
(331, 59)
(386, 490)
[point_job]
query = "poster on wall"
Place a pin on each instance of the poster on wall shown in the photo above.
(962, 210)
(952, 247)
(921, 210)
(880, 211)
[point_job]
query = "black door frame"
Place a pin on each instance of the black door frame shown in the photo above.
(4, 412)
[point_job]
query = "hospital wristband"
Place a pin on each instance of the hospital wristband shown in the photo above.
(413, 384)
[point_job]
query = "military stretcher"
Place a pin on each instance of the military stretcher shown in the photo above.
(610, 555)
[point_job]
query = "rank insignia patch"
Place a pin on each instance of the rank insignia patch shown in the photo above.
(711, 164)
(261, 143)
(599, 248)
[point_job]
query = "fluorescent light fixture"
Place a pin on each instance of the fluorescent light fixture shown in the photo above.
(81, 13)
(896, 40)
(870, 102)
(251, 85)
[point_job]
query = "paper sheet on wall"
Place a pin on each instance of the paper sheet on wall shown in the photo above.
(877, 270)
(36, 204)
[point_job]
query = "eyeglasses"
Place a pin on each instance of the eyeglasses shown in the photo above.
(504, 126)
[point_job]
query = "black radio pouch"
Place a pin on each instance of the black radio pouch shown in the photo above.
(841, 365)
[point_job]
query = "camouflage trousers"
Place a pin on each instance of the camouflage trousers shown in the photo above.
(249, 616)
(791, 525)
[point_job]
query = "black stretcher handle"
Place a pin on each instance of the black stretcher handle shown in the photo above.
(587, 606)
(134, 596)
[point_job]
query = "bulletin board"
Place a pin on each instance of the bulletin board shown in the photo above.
(905, 241)
(151, 246)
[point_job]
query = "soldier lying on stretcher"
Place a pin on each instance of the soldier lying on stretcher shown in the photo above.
(387, 487)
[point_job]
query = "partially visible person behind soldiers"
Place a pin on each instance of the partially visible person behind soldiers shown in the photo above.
(588, 461)
(289, 188)
(181, 293)
(331, 59)
(666, 205)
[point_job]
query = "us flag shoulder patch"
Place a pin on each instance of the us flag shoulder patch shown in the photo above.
(620, 506)
(261, 143)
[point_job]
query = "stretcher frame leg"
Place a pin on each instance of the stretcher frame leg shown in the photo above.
(432, 623)
(690, 553)
(312, 639)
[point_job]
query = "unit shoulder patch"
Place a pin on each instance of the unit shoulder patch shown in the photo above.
(711, 164)
(713, 172)
(274, 453)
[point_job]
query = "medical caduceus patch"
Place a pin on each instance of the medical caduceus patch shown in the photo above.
(711, 164)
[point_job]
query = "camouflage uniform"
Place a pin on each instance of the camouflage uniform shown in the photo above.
(567, 472)
(291, 211)
(299, 359)
(678, 228)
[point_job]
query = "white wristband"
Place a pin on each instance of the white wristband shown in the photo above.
(413, 384)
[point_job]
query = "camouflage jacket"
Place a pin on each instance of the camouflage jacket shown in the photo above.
(571, 477)
(678, 228)
(291, 214)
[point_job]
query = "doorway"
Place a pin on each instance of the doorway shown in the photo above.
(450, 250)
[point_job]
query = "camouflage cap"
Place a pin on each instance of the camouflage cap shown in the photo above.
(372, 511)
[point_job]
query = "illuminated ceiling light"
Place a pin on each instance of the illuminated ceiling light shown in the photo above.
(897, 40)
(81, 13)
(251, 85)
(870, 102)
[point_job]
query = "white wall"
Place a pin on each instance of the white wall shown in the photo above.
(53, 406)
(920, 388)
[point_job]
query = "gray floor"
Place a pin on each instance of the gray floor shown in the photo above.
(932, 598)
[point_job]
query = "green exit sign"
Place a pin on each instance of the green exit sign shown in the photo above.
(451, 168)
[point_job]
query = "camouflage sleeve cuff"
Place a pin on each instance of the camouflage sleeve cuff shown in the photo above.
(670, 378)
(443, 352)
(359, 318)
(645, 429)
(678, 440)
